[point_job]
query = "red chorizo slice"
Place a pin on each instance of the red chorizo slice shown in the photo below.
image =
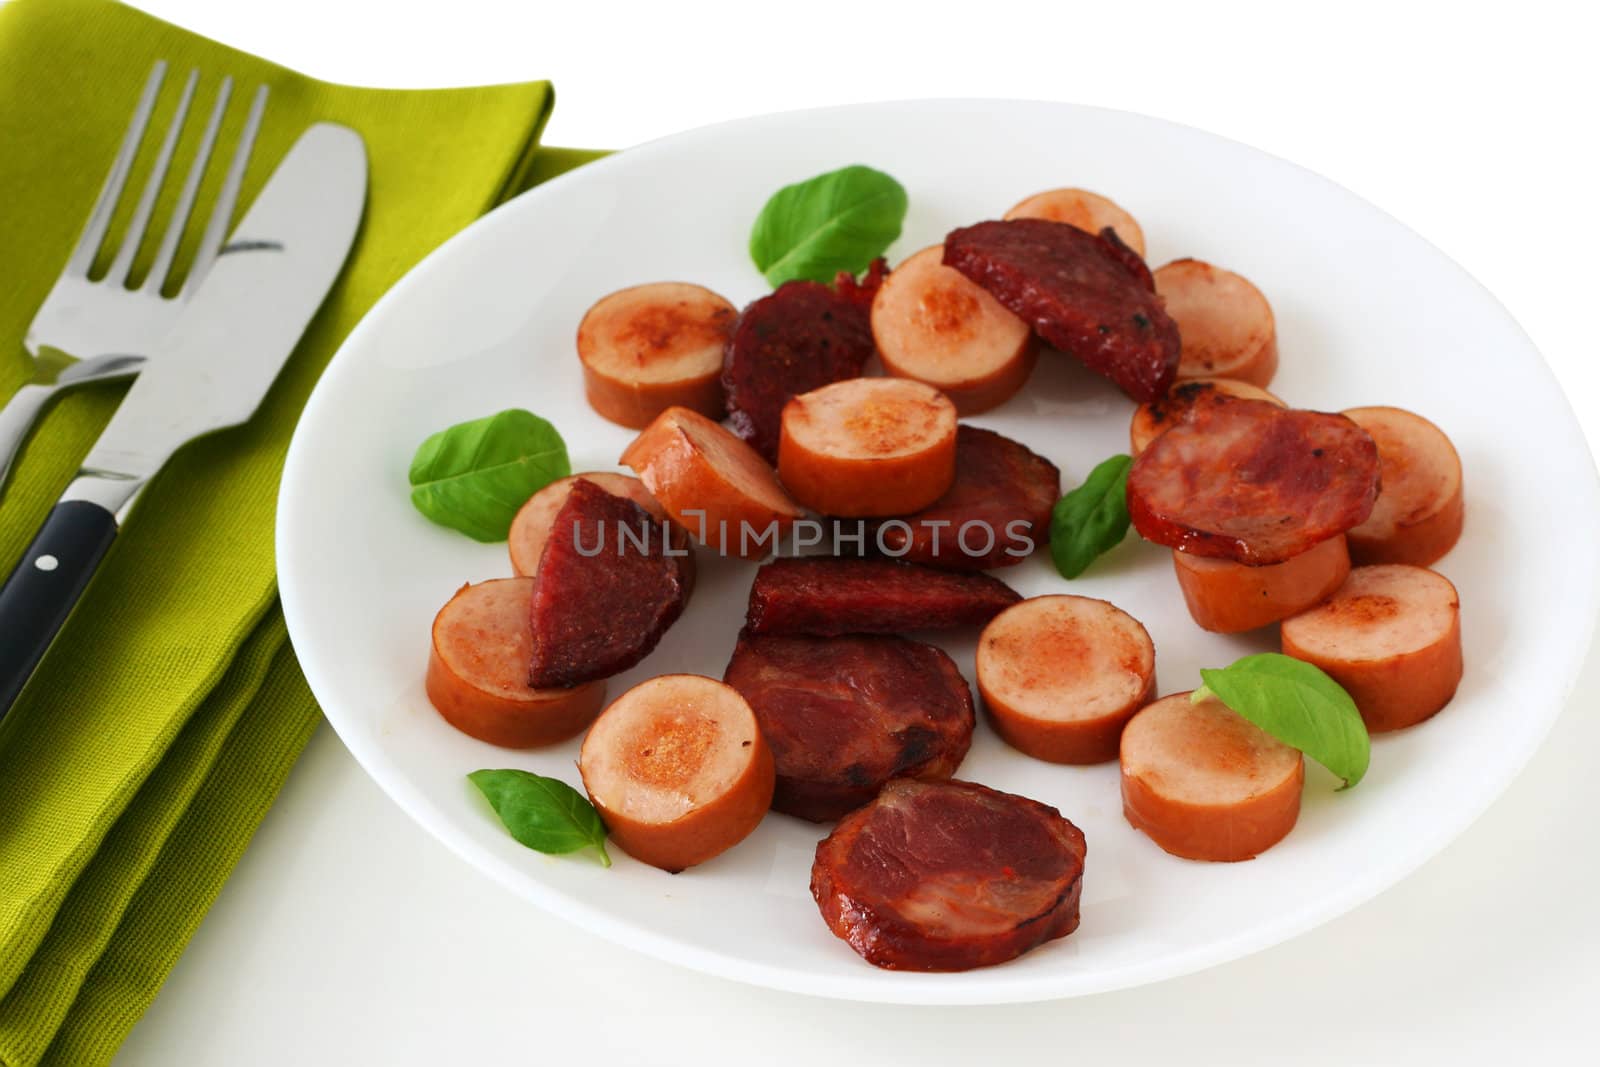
(1087, 295)
(844, 715)
(825, 596)
(609, 585)
(948, 876)
(1252, 482)
(997, 508)
(802, 336)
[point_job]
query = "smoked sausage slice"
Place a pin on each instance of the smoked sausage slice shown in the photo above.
(607, 589)
(934, 325)
(800, 337)
(1227, 325)
(1001, 498)
(844, 715)
(1419, 513)
(653, 347)
(868, 446)
(478, 671)
(1391, 636)
(1089, 212)
(1205, 783)
(1249, 481)
(1088, 295)
(948, 876)
(1155, 418)
(825, 596)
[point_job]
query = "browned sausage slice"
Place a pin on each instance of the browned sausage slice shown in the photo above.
(1061, 675)
(825, 596)
(948, 876)
(478, 671)
(535, 519)
(1084, 294)
(996, 511)
(653, 347)
(1227, 325)
(1249, 481)
(846, 714)
(1205, 783)
(712, 484)
(868, 446)
(1391, 636)
(608, 587)
(933, 325)
(1089, 212)
(1155, 418)
(678, 770)
(1229, 598)
(1419, 511)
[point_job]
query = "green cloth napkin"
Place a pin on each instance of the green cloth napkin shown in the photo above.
(138, 762)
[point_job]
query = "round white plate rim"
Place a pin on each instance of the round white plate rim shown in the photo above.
(986, 986)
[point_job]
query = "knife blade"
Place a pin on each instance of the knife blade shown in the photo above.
(215, 367)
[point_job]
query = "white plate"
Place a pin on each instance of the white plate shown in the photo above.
(1368, 313)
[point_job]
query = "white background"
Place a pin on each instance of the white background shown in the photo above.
(347, 936)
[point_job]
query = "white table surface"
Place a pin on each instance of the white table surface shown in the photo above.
(349, 936)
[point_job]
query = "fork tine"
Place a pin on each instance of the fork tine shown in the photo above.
(122, 266)
(94, 231)
(222, 215)
(160, 266)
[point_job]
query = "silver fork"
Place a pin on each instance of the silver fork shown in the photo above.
(101, 329)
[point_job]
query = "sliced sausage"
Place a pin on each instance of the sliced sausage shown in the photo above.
(1084, 294)
(1391, 636)
(653, 347)
(1229, 598)
(843, 715)
(1227, 325)
(606, 591)
(1419, 511)
(1153, 419)
(478, 671)
(678, 770)
(948, 876)
(712, 484)
(824, 596)
(932, 324)
(1089, 212)
(996, 511)
(868, 446)
(1249, 481)
(1061, 675)
(535, 519)
(800, 337)
(1205, 783)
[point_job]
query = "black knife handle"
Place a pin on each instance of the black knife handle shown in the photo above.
(40, 593)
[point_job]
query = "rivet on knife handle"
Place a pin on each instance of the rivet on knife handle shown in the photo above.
(39, 595)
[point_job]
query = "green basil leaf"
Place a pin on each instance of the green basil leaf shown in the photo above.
(475, 476)
(1298, 704)
(841, 220)
(1092, 519)
(546, 814)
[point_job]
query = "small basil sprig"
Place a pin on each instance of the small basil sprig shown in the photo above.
(838, 221)
(475, 476)
(546, 814)
(1092, 519)
(1298, 704)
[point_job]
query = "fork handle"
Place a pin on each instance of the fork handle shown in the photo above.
(49, 579)
(16, 419)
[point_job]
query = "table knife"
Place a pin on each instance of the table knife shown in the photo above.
(216, 365)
